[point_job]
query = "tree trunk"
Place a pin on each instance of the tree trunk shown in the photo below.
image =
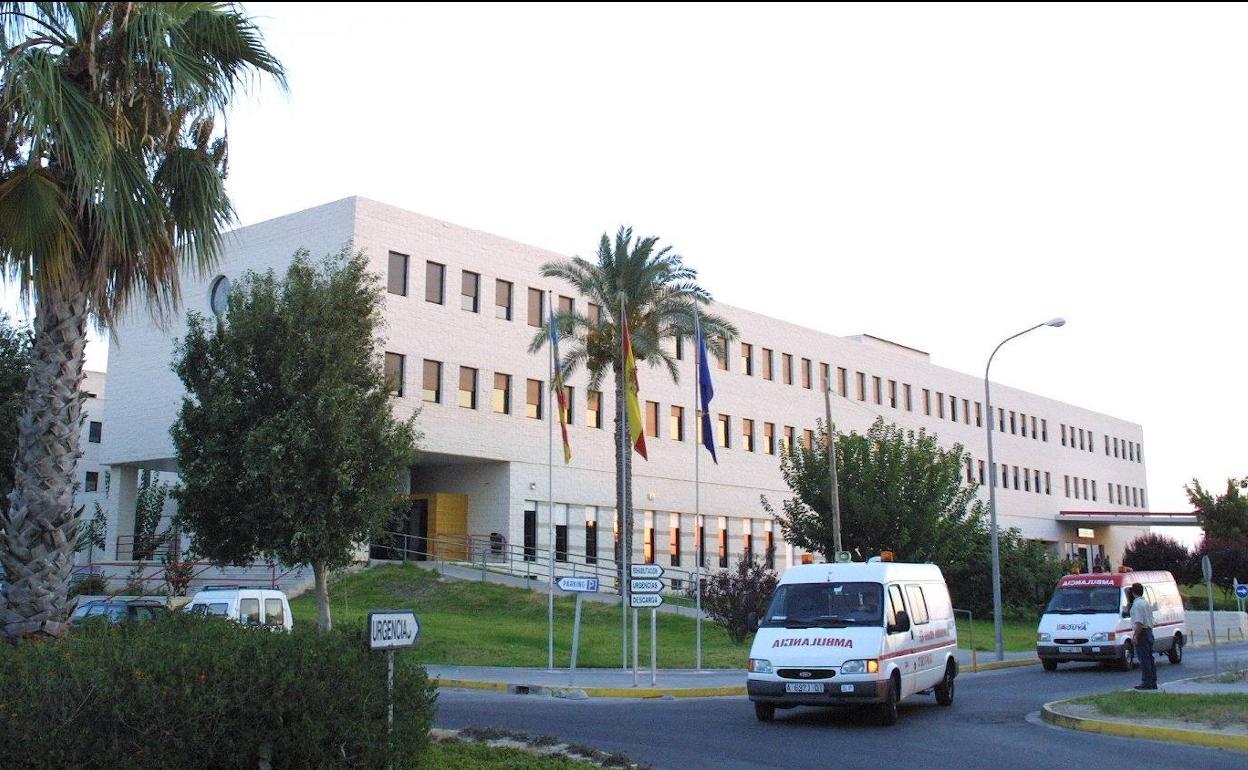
(40, 529)
(321, 572)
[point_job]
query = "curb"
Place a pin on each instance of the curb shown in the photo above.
(998, 664)
(578, 693)
(1150, 732)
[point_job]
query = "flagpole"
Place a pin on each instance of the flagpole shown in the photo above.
(697, 487)
(622, 564)
(550, 495)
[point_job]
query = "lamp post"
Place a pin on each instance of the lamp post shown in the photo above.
(998, 630)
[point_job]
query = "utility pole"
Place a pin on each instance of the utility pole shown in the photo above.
(833, 487)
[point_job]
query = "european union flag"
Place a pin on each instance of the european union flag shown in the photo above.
(705, 390)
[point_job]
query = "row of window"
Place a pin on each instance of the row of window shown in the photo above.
(1085, 440)
(1085, 489)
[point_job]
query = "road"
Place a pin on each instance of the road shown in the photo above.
(988, 726)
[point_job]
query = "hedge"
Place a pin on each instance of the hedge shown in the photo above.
(189, 691)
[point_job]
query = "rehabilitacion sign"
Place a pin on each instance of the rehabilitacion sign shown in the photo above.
(392, 629)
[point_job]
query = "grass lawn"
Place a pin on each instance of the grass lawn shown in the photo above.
(460, 755)
(1019, 637)
(1199, 597)
(1218, 710)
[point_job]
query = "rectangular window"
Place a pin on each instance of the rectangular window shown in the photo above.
(593, 409)
(747, 359)
(1115, 446)
(786, 370)
(699, 541)
(1091, 441)
(570, 410)
(769, 438)
(93, 481)
(396, 274)
(537, 307)
(1085, 489)
(1016, 477)
(966, 411)
(594, 315)
(1063, 434)
(652, 419)
(1048, 484)
(747, 540)
(862, 386)
(927, 402)
(561, 542)
(435, 277)
(1131, 453)
(723, 431)
(953, 408)
(1022, 424)
(1036, 486)
(467, 387)
(470, 292)
(877, 395)
(970, 471)
(533, 399)
(274, 612)
(768, 374)
(530, 529)
(433, 382)
(789, 434)
(680, 348)
(1066, 480)
(591, 538)
(723, 542)
(1013, 424)
(770, 554)
(981, 473)
(918, 606)
(825, 377)
(566, 306)
(502, 393)
(721, 353)
(806, 373)
(1110, 489)
(1044, 430)
(676, 423)
(393, 374)
(674, 540)
(808, 439)
(647, 539)
(905, 392)
(979, 415)
(95, 429)
(1081, 439)
(842, 381)
(747, 435)
(1033, 428)
(1093, 490)
(502, 299)
(1026, 479)
(892, 393)
(940, 405)
(249, 612)
(1005, 477)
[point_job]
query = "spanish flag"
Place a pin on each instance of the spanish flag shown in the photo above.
(561, 394)
(636, 430)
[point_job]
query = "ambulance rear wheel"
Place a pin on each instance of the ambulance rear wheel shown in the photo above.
(888, 709)
(1049, 665)
(765, 712)
(944, 690)
(1175, 653)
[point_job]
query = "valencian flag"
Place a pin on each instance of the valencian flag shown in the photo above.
(705, 391)
(636, 432)
(560, 392)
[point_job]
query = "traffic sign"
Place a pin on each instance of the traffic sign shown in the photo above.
(645, 571)
(638, 601)
(645, 586)
(1206, 567)
(1241, 591)
(388, 629)
(585, 585)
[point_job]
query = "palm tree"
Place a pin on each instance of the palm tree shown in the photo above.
(657, 292)
(111, 182)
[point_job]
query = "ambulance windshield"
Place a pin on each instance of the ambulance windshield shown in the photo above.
(825, 605)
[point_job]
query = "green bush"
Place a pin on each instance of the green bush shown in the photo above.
(189, 691)
(91, 585)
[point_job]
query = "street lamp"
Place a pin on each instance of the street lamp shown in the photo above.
(998, 630)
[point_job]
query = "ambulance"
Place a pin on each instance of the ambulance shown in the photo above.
(854, 634)
(1089, 619)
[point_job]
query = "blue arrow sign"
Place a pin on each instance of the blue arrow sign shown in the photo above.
(1241, 591)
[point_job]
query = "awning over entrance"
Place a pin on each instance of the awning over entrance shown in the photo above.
(1129, 518)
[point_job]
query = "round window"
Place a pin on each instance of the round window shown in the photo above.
(219, 295)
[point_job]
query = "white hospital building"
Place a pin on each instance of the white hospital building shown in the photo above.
(461, 311)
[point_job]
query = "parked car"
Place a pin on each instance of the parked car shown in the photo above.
(246, 606)
(117, 612)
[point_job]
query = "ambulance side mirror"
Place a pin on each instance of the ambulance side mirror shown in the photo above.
(902, 625)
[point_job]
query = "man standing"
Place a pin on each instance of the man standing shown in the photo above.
(1142, 623)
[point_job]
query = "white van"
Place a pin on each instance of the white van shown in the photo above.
(853, 634)
(1089, 619)
(247, 606)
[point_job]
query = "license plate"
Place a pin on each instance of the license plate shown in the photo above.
(1069, 649)
(803, 687)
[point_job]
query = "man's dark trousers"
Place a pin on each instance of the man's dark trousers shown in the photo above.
(1148, 664)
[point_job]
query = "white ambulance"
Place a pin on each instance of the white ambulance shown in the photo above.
(1089, 619)
(246, 606)
(854, 634)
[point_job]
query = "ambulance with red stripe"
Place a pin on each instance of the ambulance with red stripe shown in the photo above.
(1089, 619)
(854, 634)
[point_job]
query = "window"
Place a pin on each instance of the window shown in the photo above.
(594, 315)
(93, 481)
(591, 537)
(1036, 487)
(1066, 480)
(970, 471)
(1013, 424)
(1033, 427)
(699, 538)
(768, 374)
(470, 291)
(927, 402)
(769, 438)
(435, 277)
(808, 439)
(1022, 419)
(95, 428)
(1111, 493)
(842, 382)
(249, 612)
(747, 540)
(940, 405)
(747, 359)
(536, 307)
(467, 387)
(876, 388)
(502, 393)
(723, 431)
(1063, 434)
(566, 305)
(502, 299)
(769, 557)
(1115, 446)
(825, 377)
(721, 353)
(966, 411)
(906, 397)
(979, 415)
(568, 393)
(1091, 441)
(1081, 439)
(953, 408)
(1026, 479)
(1016, 477)
(396, 274)
(1085, 489)
(561, 533)
(432, 382)
(786, 370)
(533, 399)
(789, 434)
(393, 373)
(676, 423)
(918, 607)
(680, 348)
(1044, 430)
(723, 542)
(747, 435)
(981, 473)
(1131, 453)
(593, 409)
(1048, 484)
(274, 612)
(892, 393)
(1093, 490)
(1005, 477)
(895, 605)
(674, 540)
(652, 419)
(806, 373)
(862, 386)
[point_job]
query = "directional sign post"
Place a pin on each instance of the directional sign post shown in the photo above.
(1241, 593)
(390, 630)
(578, 586)
(643, 591)
(1206, 568)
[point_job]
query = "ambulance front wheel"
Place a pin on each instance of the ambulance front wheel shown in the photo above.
(765, 712)
(944, 690)
(888, 709)
(1049, 664)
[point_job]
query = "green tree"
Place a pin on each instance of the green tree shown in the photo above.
(285, 441)
(149, 507)
(1158, 552)
(656, 291)
(730, 598)
(1222, 516)
(111, 183)
(14, 372)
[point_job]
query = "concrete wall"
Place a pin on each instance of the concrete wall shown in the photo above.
(1233, 623)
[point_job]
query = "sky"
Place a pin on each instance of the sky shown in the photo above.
(938, 175)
